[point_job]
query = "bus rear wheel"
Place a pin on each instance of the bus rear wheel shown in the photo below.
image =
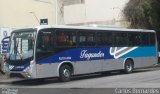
(65, 73)
(128, 67)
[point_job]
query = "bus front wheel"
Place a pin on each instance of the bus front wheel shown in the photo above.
(65, 73)
(128, 67)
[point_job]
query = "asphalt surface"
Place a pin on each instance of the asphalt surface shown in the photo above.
(90, 84)
(92, 80)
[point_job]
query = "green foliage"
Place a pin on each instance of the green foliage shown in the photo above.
(143, 14)
(155, 14)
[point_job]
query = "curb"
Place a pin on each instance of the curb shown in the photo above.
(5, 80)
(8, 81)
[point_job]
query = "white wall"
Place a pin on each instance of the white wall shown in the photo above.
(16, 13)
(74, 13)
(104, 9)
(108, 11)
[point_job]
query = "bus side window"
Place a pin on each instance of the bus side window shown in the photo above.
(134, 39)
(82, 40)
(121, 39)
(145, 39)
(91, 39)
(66, 38)
(152, 39)
(61, 38)
(70, 40)
(86, 38)
(45, 42)
(104, 39)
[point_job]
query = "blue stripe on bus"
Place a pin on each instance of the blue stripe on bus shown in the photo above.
(74, 54)
(142, 52)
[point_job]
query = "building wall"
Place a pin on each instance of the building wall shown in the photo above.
(71, 2)
(96, 11)
(21, 13)
(74, 14)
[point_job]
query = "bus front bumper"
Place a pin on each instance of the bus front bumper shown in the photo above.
(21, 74)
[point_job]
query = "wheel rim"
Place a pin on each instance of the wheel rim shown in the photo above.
(66, 73)
(129, 67)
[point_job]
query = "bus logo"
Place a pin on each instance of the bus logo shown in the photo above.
(85, 54)
(11, 67)
(118, 52)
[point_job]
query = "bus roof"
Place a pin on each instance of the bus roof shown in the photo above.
(94, 27)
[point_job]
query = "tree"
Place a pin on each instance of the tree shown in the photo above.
(155, 15)
(137, 12)
(143, 14)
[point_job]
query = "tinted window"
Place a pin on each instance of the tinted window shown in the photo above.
(45, 40)
(86, 38)
(121, 39)
(145, 39)
(65, 38)
(45, 43)
(152, 39)
(134, 39)
(104, 39)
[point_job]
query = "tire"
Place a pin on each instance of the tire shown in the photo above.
(65, 72)
(128, 67)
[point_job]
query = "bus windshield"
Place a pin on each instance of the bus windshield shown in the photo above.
(22, 45)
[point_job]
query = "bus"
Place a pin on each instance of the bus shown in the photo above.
(65, 51)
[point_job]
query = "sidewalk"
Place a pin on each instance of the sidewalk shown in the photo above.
(5, 80)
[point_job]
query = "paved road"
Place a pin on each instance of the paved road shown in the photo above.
(142, 78)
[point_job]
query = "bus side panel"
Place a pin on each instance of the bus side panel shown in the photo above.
(112, 64)
(90, 66)
(144, 61)
(84, 67)
(47, 70)
(83, 62)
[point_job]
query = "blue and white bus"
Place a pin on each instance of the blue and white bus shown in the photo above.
(65, 51)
